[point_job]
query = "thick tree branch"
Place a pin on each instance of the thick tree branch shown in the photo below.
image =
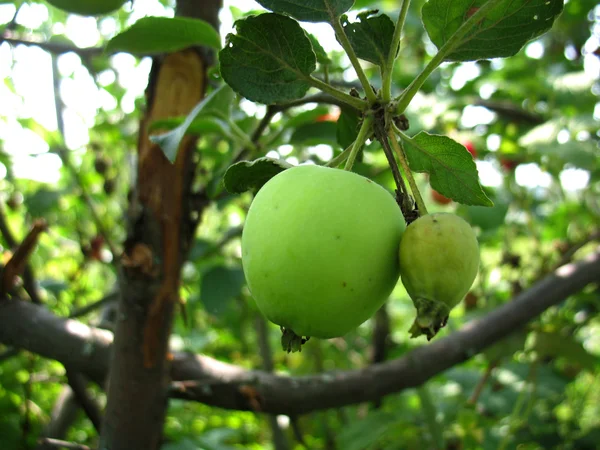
(216, 383)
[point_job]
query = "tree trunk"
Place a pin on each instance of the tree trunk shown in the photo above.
(161, 229)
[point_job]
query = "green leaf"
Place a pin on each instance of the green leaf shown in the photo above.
(87, 7)
(371, 37)
(501, 33)
(42, 202)
(362, 434)
(561, 345)
(151, 35)
(507, 347)
(210, 105)
(315, 133)
(485, 217)
(451, 168)
(200, 126)
(309, 116)
(309, 10)
(320, 52)
(252, 175)
(219, 286)
(347, 127)
(269, 59)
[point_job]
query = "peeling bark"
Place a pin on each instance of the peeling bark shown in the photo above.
(160, 234)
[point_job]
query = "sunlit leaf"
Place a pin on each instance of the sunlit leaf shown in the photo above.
(371, 37)
(214, 104)
(268, 60)
(220, 285)
(151, 35)
(452, 171)
(309, 10)
(252, 175)
(501, 33)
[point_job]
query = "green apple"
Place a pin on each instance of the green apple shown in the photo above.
(88, 7)
(439, 260)
(320, 251)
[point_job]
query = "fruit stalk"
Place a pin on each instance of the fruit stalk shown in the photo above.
(411, 180)
(394, 50)
(363, 133)
(381, 135)
(454, 41)
(343, 40)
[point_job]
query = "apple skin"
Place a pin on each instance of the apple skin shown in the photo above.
(88, 7)
(439, 260)
(320, 249)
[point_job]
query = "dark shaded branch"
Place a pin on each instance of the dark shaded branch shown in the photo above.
(57, 443)
(510, 111)
(381, 335)
(87, 403)
(220, 384)
(280, 441)
(56, 48)
(84, 310)
(64, 414)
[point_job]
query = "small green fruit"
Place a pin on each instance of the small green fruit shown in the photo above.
(319, 251)
(439, 259)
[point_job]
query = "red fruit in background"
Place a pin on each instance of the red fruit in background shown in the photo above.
(439, 198)
(470, 301)
(96, 248)
(330, 116)
(508, 164)
(471, 148)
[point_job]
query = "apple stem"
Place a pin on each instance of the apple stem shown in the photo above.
(411, 180)
(406, 204)
(363, 134)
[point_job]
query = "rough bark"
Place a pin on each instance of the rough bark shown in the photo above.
(216, 383)
(161, 230)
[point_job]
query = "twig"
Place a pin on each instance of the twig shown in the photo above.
(401, 191)
(399, 150)
(29, 283)
(454, 40)
(394, 50)
(64, 157)
(431, 417)
(345, 43)
(94, 306)
(297, 430)
(381, 335)
(279, 439)
(481, 384)
(18, 261)
(57, 443)
(89, 406)
(63, 415)
(568, 255)
(26, 420)
(9, 353)
(55, 48)
(363, 135)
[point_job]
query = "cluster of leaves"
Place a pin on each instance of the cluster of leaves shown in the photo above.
(544, 387)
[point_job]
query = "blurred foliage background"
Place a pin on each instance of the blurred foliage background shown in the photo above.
(68, 133)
